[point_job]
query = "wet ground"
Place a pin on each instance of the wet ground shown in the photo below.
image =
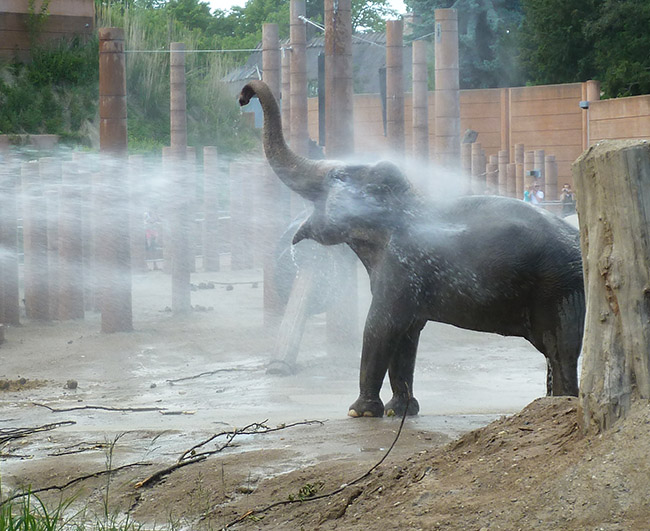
(177, 380)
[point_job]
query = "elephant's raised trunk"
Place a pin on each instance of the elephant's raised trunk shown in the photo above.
(302, 175)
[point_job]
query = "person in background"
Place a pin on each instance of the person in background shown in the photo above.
(537, 195)
(567, 198)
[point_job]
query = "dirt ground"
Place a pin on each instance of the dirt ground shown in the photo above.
(137, 403)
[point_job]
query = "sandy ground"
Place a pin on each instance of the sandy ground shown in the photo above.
(181, 381)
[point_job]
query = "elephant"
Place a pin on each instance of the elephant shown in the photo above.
(485, 263)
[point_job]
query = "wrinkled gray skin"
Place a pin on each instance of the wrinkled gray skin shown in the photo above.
(482, 263)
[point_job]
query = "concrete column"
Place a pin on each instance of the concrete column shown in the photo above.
(271, 58)
(466, 158)
(37, 297)
(112, 91)
(286, 93)
(71, 279)
(395, 86)
(503, 176)
(420, 101)
(9, 294)
(211, 186)
(550, 172)
(177, 98)
(298, 67)
(447, 93)
(539, 165)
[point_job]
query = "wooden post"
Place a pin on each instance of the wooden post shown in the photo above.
(9, 293)
(180, 184)
(529, 165)
(395, 86)
(550, 171)
(519, 171)
(49, 169)
(503, 176)
(237, 243)
(421, 102)
(511, 186)
(613, 177)
(298, 66)
(447, 93)
(286, 93)
(590, 92)
(271, 58)
(342, 315)
(113, 247)
(539, 166)
(492, 175)
(477, 169)
(466, 158)
(71, 280)
(211, 190)
(138, 207)
(505, 122)
(37, 298)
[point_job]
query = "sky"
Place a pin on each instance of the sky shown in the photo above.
(227, 4)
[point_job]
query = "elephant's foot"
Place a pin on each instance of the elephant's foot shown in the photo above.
(397, 405)
(364, 407)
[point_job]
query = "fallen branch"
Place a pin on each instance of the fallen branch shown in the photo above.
(72, 482)
(329, 494)
(103, 408)
(190, 456)
(201, 374)
(18, 433)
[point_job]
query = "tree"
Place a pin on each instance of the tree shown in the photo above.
(613, 186)
(554, 47)
(622, 43)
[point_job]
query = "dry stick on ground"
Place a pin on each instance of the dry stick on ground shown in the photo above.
(206, 373)
(103, 408)
(18, 433)
(29, 492)
(255, 428)
(329, 494)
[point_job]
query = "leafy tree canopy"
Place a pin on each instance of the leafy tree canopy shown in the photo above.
(487, 45)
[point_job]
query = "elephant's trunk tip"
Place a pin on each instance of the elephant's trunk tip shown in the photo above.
(245, 95)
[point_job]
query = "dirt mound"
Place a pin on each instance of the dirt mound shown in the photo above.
(533, 470)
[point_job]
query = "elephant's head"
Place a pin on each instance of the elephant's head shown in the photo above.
(351, 202)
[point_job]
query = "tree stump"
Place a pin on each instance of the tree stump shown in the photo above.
(613, 189)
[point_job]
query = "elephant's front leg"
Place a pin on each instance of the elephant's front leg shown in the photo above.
(378, 339)
(400, 371)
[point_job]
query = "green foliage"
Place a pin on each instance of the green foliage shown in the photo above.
(54, 94)
(487, 44)
(554, 47)
(622, 46)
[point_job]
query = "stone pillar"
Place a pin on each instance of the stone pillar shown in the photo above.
(9, 293)
(37, 297)
(421, 102)
(447, 93)
(298, 67)
(113, 252)
(395, 86)
(550, 171)
(211, 186)
(71, 280)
